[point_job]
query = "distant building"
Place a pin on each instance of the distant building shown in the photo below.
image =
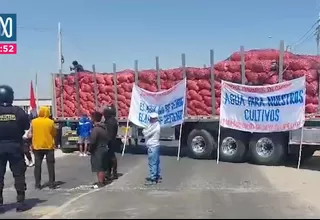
(25, 103)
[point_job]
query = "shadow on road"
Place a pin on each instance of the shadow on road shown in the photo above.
(57, 184)
(311, 164)
(164, 150)
(30, 203)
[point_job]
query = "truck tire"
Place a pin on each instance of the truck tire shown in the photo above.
(233, 146)
(201, 144)
(268, 149)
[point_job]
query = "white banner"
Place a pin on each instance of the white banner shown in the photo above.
(169, 104)
(272, 108)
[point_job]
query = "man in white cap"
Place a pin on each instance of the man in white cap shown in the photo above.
(152, 136)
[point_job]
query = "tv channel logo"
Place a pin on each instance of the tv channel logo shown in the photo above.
(8, 27)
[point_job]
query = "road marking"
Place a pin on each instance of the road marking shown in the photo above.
(59, 210)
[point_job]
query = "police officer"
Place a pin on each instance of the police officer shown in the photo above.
(111, 122)
(13, 123)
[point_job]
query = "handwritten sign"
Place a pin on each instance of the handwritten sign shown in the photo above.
(169, 104)
(272, 108)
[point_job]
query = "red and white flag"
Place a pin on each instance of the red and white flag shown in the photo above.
(33, 105)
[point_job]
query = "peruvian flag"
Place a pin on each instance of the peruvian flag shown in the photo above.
(33, 105)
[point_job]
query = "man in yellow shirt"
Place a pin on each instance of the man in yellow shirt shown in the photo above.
(43, 134)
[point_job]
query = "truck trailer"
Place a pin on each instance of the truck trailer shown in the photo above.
(199, 131)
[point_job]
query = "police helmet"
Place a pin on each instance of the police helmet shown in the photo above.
(109, 111)
(6, 95)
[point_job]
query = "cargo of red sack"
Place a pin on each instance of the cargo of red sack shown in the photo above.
(261, 68)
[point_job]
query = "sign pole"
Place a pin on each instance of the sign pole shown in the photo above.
(300, 149)
(179, 146)
(125, 138)
(183, 111)
(218, 147)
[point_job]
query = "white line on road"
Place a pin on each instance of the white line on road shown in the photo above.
(59, 210)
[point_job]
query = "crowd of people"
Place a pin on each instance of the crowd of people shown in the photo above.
(97, 137)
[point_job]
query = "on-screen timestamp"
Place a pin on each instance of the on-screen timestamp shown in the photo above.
(8, 48)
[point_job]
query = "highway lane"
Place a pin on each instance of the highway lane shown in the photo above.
(190, 189)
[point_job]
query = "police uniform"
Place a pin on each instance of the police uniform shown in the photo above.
(112, 128)
(13, 123)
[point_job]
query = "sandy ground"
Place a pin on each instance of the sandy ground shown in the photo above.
(302, 184)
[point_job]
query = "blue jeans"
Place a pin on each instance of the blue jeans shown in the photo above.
(154, 162)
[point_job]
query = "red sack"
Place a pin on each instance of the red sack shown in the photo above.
(194, 95)
(204, 84)
(311, 75)
(205, 92)
(192, 85)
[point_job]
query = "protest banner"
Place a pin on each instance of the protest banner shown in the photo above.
(273, 108)
(169, 104)
(263, 109)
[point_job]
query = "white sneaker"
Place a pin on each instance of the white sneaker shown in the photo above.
(31, 164)
(81, 154)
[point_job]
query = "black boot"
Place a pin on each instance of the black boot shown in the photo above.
(37, 186)
(115, 175)
(1, 206)
(21, 206)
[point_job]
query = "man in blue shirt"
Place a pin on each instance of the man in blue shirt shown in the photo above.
(83, 131)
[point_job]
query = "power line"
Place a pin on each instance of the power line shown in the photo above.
(305, 36)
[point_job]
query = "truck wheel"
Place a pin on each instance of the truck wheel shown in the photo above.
(233, 146)
(268, 149)
(201, 144)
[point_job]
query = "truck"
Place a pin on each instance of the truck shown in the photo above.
(199, 134)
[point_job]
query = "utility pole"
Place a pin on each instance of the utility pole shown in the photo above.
(318, 35)
(60, 56)
(61, 61)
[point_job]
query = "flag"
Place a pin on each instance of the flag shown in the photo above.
(33, 106)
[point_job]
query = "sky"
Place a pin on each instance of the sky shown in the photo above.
(101, 32)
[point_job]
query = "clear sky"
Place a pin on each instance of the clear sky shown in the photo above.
(104, 31)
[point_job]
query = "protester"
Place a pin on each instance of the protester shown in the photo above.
(152, 136)
(83, 131)
(27, 142)
(43, 133)
(112, 126)
(13, 123)
(77, 67)
(98, 149)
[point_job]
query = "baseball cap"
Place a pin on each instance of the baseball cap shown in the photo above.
(154, 115)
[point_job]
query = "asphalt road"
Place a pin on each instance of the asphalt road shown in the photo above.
(190, 189)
